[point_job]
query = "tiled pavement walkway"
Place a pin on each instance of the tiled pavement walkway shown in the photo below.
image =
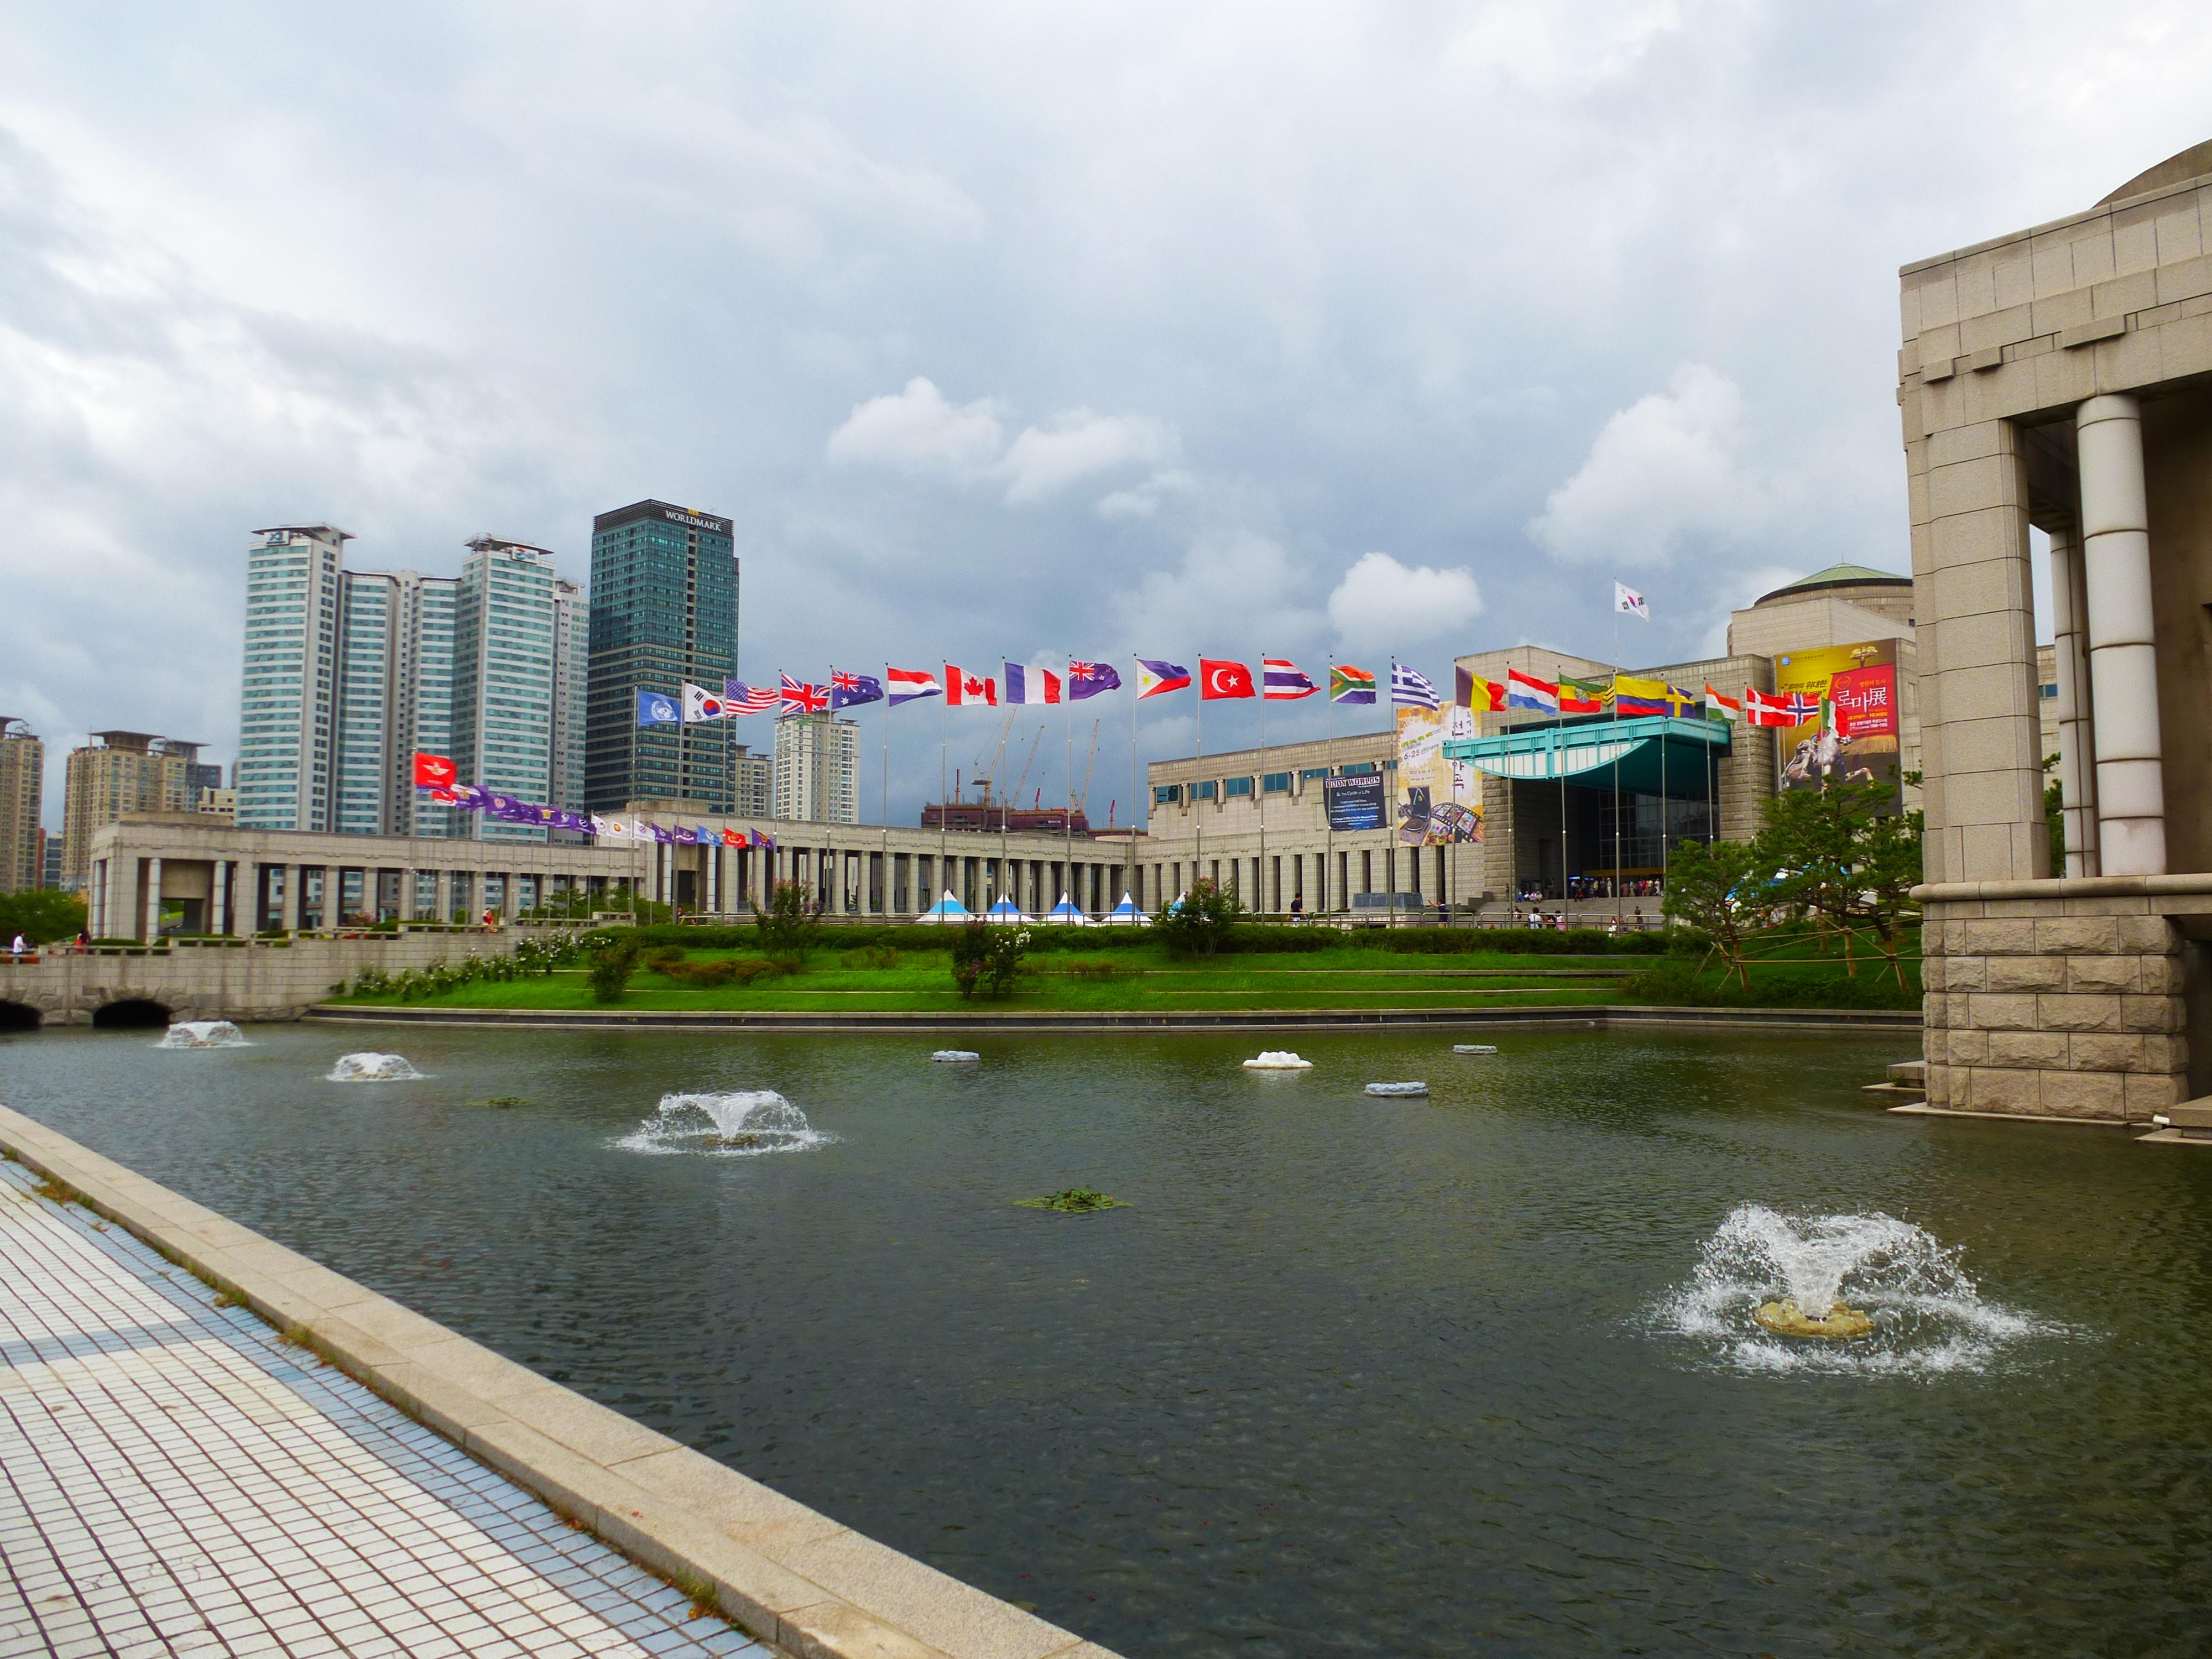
(174, 1479)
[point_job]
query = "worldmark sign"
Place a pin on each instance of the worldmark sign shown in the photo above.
(696, 520)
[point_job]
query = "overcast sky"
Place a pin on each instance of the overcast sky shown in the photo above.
(1004, 332)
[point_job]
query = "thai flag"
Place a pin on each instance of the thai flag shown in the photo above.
(1032, 684)
(1281, 682)
(1527, 691)
(963, 689)
(798, 699)
(1411, 690)
(1088, 679)
(907, 684)
(743, 699)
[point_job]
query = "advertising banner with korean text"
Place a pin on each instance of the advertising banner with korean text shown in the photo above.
(1439, 801)
(1857, 735)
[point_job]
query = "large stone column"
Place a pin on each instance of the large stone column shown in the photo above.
(218, 916)
(2130, 769)
(152, 900)
(2077, 747)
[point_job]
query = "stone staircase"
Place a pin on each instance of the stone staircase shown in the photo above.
(1905, 1085)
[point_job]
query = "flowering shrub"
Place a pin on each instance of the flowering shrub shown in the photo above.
(987, 960)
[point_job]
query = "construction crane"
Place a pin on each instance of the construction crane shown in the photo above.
(1031, 761)
(985, 778)
(1088, 766)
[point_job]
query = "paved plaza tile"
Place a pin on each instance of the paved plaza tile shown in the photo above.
(175, 1479)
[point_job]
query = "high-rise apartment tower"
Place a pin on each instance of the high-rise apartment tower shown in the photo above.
(121, 772)
(23, 787)
(664, 609)
(818, 768)
(288, 706)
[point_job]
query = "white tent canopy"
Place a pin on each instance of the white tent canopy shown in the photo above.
(1067, 915)
(1006, 913)
(947, 909)
(1127, 913)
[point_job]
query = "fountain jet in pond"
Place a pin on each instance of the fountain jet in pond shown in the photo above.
(204, 1034)
(1889, 1297)
(373, 1068)
(745, 1123)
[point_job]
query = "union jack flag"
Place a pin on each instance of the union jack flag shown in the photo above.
(799, 699)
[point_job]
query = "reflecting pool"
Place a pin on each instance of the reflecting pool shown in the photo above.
(1428, 1376)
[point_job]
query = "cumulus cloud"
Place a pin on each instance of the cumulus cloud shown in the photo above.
(919, 433)
(1143, 500)
(1381, 601)
(1663, 473)
(1234, 587)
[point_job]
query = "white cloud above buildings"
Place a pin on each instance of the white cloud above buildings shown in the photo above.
(998, 330)
(1381, 601)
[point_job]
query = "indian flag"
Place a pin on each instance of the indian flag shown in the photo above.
(1718, 707)
(1350, 684)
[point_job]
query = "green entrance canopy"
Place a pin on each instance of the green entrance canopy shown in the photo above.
(1654, 752)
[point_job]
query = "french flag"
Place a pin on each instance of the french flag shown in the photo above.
(1526, 691)
(1032, 684)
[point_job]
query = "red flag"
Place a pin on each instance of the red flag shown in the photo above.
(434, 772)
(1224, 679)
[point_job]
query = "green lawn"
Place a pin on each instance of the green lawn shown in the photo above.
(1148, 980)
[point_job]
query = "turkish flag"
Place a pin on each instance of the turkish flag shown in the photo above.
(1224, 679)
(434, 772)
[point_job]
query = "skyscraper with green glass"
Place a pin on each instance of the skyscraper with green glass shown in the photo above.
(664, 609)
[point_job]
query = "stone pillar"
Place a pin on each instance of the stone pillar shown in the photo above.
(152, 900)
(2123, 658)
(2077, 750)
(218, 916)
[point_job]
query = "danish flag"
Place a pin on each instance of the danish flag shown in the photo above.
(798, 699)
(1769, 708)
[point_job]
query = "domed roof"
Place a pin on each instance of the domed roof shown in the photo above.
(2191, 163)
(1836, 576)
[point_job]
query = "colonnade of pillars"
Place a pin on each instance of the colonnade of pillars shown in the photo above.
(849, 881)
(2111, 774)
(247, 895)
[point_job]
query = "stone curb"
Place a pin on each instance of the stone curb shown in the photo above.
(783, 1573)
(1600, 1015)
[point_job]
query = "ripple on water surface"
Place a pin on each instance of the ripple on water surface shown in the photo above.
(1929, 1318)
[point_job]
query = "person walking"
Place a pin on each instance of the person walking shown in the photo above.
(18, 949)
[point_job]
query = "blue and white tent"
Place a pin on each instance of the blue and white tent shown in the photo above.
(1005, 914)
(947, 909)
(1065, 914)
(1127, 913)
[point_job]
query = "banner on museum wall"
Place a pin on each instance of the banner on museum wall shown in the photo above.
(1439, 801)
(1354, 801)
(1857, 735)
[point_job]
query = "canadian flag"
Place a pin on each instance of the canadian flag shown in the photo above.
(962, 688)
(435, 773)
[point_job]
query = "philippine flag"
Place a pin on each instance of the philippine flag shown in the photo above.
(1281, 682)
(1088, 679)
(1026, 684)
(907, 684)
(1156, 679)
(1222, 679)
(1526, 691)
(744, 699)
(962, 689)
(701, 704)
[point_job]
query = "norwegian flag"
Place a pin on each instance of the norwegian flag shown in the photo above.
(798, 699)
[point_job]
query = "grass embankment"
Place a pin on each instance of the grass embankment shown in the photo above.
(1321, 970)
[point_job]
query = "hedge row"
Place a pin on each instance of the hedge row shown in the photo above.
(1679, 984)
(1251, 938)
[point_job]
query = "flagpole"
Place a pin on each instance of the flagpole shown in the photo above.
(1559, 764)
(1260, 879)
(888, 894)
(1616, 763)
(1329, 771)
(944, 704)
(1068, 818)
(1198, 859)
(1136, 797)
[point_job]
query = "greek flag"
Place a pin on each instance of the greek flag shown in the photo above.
(1410, 688)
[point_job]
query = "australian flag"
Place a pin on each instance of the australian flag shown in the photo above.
(847, 689)
(1088, 679)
